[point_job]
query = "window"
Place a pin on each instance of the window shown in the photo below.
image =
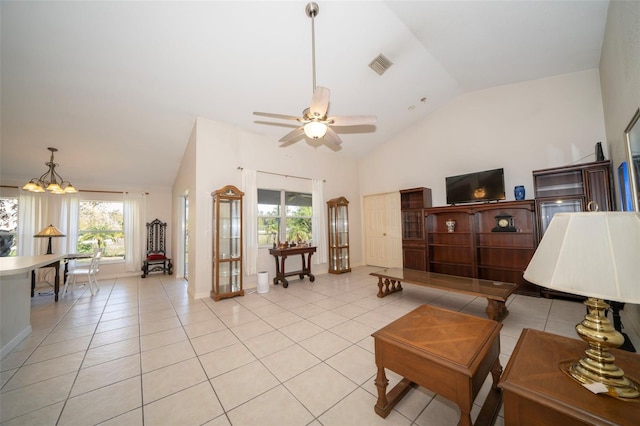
(101, 224)
(8, 226)
(284, 216)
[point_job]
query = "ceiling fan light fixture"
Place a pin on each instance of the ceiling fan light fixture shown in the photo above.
(315, 129)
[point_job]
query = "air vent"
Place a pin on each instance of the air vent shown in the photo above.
(380, 64)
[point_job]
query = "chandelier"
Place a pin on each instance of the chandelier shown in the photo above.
(50, 180)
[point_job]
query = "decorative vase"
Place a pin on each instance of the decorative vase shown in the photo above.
(518, 191)
(451, 225)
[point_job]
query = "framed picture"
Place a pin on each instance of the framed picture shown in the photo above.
(632, 144)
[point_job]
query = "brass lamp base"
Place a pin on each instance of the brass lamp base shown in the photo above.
(597, 366)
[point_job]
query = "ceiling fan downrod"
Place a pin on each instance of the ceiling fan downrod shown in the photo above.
(312, 10)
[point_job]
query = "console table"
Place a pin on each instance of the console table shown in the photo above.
(446, 352)
(537, 392)
(281, 254)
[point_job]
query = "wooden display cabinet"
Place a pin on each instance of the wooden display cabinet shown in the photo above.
(576, 188)
(338, 217)
(412, 204)
(227, 243)
(467, 241)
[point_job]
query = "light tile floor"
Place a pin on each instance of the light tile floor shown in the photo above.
(141, 351)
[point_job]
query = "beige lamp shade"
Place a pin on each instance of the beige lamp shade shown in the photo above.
(593, 254)
(50, 231)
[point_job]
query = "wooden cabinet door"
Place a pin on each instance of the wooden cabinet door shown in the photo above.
(598, 189)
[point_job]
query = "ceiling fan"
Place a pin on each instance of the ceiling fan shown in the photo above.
(315, 123)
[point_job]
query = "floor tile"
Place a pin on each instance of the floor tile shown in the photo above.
(241, 385)
(275, 407)
(290, 362)
(102, 404)
(106, 374)
(226, 359)
(357, 409)
(213, 341)
(319, 388)
(55, 350)
(171, 379)
(45, 416)
(36, 396)
(325, 344)
(355, 363)
(166, 355)
(111, 351)
(192, 406)
(45, 370)
(268, 343)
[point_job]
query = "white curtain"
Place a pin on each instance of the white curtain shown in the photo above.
(64, 214)
(319, 222)
(134, 230)
(250, 203)
(31, 212)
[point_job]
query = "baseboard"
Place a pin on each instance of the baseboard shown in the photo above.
(15, 341)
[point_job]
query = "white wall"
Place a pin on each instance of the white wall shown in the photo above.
(219, 150)
(519, 127)
(620, 82)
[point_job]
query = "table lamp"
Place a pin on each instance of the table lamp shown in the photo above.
(597, 255)
(50, 232)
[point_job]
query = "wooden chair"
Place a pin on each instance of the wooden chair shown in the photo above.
(157, 260)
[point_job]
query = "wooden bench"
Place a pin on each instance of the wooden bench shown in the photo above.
(390, 280)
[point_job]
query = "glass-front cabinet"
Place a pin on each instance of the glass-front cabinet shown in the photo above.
(338, 216)
(581, 187)
(227, 243)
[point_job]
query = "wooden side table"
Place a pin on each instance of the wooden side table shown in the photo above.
(537, 392)
(282, 253)
(444, 351)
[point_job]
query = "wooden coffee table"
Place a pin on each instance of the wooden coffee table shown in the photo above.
(390, 280)
(444, 351)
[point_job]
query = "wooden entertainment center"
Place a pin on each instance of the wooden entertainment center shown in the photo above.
(496, 240)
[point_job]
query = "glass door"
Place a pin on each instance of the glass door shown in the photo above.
(547, 209)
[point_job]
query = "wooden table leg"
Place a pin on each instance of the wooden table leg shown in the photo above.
(496, 310)
(56, 285)
(491, 407)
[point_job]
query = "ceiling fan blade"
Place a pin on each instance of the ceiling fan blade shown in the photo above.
(332, 137)
(280, 116)
(319, 102)
(353, 120)
(291, 137)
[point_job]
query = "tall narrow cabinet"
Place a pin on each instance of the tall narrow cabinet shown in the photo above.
(414, 247)
(338, 216)
(227, 243)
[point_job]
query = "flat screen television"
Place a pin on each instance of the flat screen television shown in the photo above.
(476, 187)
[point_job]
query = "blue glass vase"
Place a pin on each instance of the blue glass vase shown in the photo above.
(518, 192)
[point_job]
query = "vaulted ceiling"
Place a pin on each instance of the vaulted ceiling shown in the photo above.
(116, 86)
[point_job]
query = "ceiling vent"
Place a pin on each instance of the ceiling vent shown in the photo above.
(380, 64)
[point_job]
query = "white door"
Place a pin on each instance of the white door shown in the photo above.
(382, 230)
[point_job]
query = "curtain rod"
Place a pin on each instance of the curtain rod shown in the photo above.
(280, 174)
(83, 190)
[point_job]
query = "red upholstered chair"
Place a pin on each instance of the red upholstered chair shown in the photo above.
(157, 260)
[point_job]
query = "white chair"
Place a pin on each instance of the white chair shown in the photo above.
(89, 273)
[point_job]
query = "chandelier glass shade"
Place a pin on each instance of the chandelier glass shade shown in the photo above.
(50, 180)
(315, 129)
